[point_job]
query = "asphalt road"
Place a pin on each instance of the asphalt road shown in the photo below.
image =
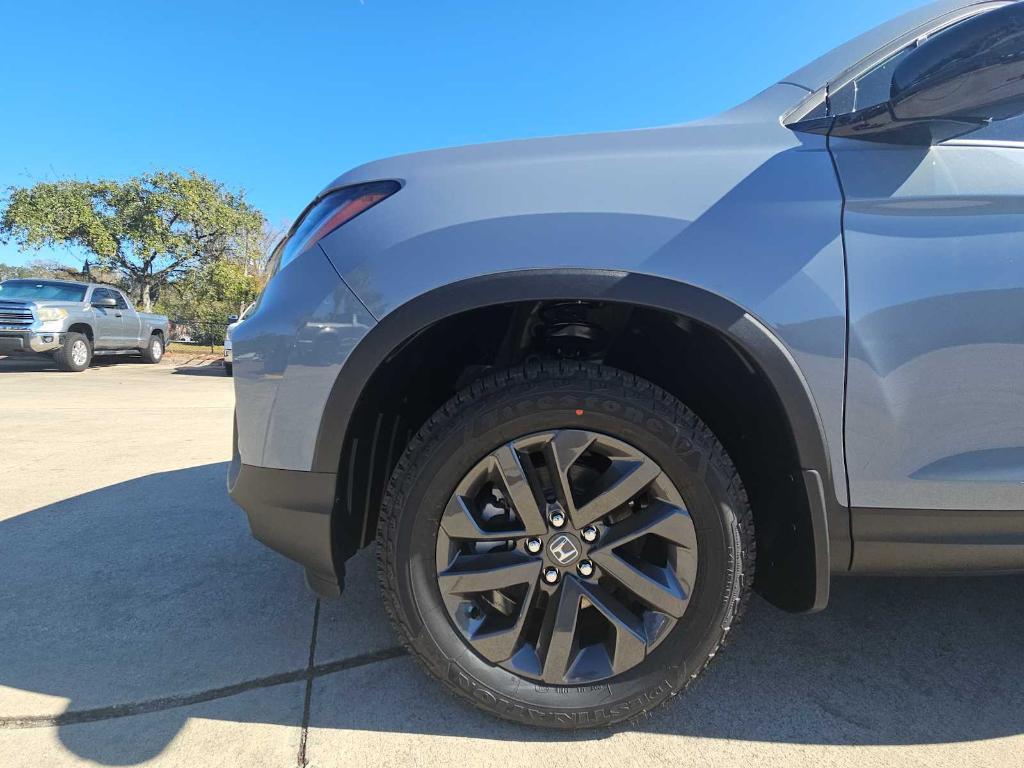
(140, 624)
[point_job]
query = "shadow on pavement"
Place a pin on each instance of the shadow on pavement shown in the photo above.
(207, 369)
(26, 363)
(152, 590)
(43, 363)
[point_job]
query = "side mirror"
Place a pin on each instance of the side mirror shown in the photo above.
(232, 319)
(970, 74)
(953, 83)
(107, 303)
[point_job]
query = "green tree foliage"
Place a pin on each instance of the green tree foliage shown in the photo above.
(203, 299)
(16, 271)
(152, 229)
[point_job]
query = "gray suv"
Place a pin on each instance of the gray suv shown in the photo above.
(586, 393)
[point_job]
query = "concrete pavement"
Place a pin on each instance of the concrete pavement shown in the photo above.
(141, 624)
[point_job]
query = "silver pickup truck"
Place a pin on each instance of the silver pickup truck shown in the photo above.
(73, 321)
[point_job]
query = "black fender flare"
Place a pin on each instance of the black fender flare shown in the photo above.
(829, 519)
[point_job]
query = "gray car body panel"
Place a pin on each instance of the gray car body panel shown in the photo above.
(287, 361)
(936, 269)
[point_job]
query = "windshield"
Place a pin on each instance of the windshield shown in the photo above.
(41, 289)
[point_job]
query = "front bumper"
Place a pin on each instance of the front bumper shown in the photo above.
(29, 341)
(290, 511)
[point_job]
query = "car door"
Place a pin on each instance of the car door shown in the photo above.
(109, 321)
(934, 431)
(131, 326)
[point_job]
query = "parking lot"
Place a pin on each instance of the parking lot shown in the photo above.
(141, 624)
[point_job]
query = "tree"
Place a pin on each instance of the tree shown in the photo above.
(203, 299)
(46, 269)
(150, 229)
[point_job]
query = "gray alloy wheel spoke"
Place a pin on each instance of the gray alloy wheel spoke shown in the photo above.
(520, 494)
(661, 519)
(501, 644)
(459, 523)
(657, 586)
(630, 641)
(630, 478)
(469, 574)
(559, 642)
(561, 452)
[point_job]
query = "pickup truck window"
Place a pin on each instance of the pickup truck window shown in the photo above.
(42, 290)
(122, 302)
(103, 293)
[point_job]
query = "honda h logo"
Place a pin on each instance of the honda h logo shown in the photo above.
(563, 549)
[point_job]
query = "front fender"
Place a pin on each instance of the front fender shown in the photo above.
(749, 334)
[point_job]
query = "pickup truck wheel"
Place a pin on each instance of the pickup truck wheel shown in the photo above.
(565, 544)
(154, 351)
(75, 353)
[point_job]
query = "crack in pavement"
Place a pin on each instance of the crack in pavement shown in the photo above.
(308, 673)
(308, 701)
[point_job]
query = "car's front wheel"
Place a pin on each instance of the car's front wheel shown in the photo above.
(75, 353)
(565, 544)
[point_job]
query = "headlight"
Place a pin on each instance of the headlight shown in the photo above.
(51, 313)
(327, 213)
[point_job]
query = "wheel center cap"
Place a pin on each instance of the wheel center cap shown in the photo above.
(565, 549)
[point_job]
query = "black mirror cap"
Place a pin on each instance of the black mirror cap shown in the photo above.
(232, 319)
(107, 303)
(971, 73)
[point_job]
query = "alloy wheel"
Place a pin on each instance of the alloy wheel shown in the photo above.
(566, 557)
(79, 353)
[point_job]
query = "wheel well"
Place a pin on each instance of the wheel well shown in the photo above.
(83, 328)
(696, 363)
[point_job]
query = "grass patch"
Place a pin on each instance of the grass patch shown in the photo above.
(176, 347)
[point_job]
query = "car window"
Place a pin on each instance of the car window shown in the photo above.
(122, 303)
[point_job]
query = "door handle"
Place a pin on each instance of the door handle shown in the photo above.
(117, 314)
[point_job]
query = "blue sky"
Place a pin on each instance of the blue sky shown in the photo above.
(279, 98)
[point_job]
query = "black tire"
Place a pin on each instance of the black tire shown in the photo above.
(153, 352)
(75, 354)
(582, 399)
(228, 368)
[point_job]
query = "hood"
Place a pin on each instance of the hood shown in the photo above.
(577, 149)
(47, 303)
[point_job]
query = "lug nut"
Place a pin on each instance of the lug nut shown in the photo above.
(589, 534)
(551, 575)
(585, 567)
(533, 546)
(557, 518)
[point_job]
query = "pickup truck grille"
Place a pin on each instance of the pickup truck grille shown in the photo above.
(15, 314)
